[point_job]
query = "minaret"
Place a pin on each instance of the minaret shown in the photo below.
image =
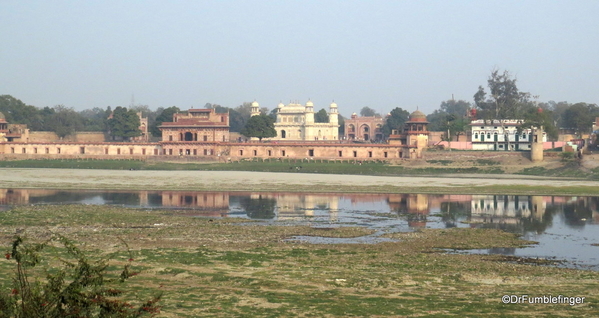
(309, 112)
(333, 114)
(255, 110)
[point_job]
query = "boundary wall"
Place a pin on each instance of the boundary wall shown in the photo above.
(205, 150)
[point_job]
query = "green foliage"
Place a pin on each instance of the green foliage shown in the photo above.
(368, 112)
(505, 101)
(487, 162)
(70, 284)
(64, 121)
(580, 116)
(124, 123)
(458, 125)
(539, 118)
(321, 116)
(17, 112)
(95, 119)
(567, 156)
(165, 116)
(341, 129)
(260, 126)
(395, 121)
(442, 162)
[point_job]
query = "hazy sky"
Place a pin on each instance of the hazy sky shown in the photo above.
(381, 54)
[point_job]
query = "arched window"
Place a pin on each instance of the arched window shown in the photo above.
(283, 134)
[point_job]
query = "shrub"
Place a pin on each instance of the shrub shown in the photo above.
(567, 156)
(62, 282)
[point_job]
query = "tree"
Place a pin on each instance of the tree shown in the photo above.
(505, 100)
(537, 117)
(455, 126)
(321, 116)
(580, 116)
(165, 115)
(95, 119)
(368, 112)
(341, 121)
(259, 126)
(459, 109)
(124, 123)
(273, 114)
(395, 120)
(64, 121)
(17, 112)
(558, 109)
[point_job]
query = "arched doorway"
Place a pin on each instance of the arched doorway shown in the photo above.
(351, 131)
(188, 136)
(365, 132)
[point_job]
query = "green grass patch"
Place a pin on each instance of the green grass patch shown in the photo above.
(222, 269)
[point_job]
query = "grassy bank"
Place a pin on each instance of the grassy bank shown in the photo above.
(219, 268)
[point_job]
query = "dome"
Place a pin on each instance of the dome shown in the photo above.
(309, 104)
(333, 105)
(417, 116)
(255, 104)
(281, 105)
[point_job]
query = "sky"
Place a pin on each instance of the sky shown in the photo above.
(380, 54)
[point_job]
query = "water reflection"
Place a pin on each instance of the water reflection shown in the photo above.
(519, 214)
(564, 226)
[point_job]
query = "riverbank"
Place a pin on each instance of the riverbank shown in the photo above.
(291, 181)
(230, 267)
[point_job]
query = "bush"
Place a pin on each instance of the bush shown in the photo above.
(567, 156)
(60, 281)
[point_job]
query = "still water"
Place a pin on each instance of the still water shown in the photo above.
(565, 227)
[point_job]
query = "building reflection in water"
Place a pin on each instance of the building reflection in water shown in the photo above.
(513, 213)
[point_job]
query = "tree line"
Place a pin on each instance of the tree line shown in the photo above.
(500, 100)
(503, 100)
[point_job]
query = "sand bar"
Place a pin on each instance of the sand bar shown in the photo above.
(268, 181)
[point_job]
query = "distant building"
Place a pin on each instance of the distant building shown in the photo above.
(414, 137)
(364, 128)
(143, 126)
(295, 122)
(196, 125)
(12, 132)
(501, 135)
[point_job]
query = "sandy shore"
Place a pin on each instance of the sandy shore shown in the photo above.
(265, 181)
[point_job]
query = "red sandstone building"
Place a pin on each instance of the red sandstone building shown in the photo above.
(364, 128)
(203, 134)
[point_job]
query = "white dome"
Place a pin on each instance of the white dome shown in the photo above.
(309, 104)
(281, 105)
(333, 105)
(255, 104)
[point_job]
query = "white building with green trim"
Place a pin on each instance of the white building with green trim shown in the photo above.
(501, 135)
